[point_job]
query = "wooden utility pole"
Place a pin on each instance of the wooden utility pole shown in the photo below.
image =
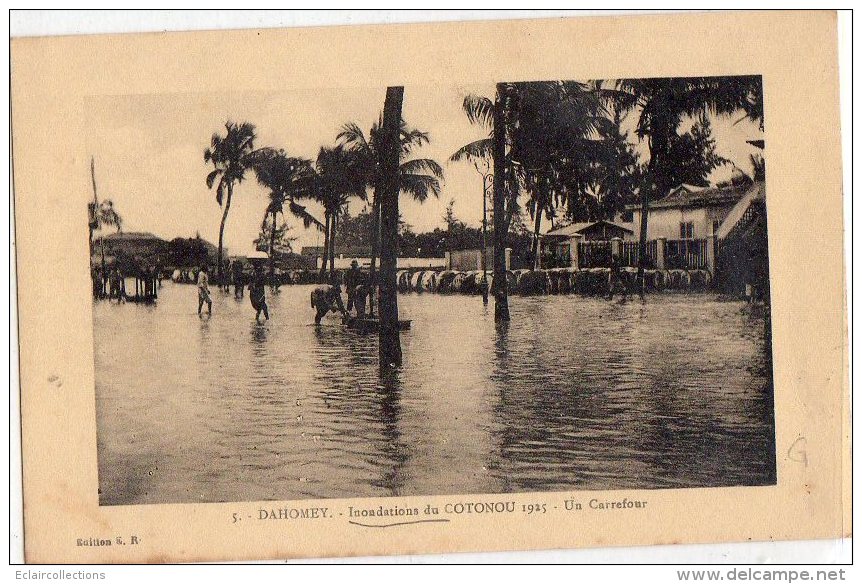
(390, 340)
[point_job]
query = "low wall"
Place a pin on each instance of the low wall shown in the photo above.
(343, 263)
(589, 281)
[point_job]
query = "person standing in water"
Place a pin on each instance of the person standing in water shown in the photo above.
(238, 276)
(204, 291)
(117, 286)
(257, 293)
(325, 299)
(615, 279)
(352, 279)
(224, 284)
(360, 296)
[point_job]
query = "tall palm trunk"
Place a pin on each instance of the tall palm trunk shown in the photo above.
(272, 251)
(390, 340)
(221, 230)
(642, 239)
(658, 143)
(332, 227)
(485, 240)
(96, 218)
(375, 247)
(501, 300)
(537, 259)
(325, 255)
(540, 207)
(102, 247)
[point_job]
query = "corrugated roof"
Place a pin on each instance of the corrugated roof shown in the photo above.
(694, 196)
(576, 228)
(316, 250)
(132, 235)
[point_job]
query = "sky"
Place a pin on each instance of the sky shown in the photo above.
(148, 152)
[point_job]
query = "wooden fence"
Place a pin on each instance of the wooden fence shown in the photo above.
(630, 252)
(594, 254)
(685, 254)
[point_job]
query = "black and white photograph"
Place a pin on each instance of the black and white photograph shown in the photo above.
(527, 286)
(431, 287)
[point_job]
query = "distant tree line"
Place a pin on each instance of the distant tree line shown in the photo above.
(353, 234)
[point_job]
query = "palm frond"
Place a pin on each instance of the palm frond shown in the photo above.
(307, 218)
(231, 155)
(212, 176)
(422, 165)
(107, 215)
(480, 149)
(410, 138)
(479, 110)
(419, 186)
(352, 135)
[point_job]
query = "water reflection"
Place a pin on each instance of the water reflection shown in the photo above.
(392, 447)
(573, 393)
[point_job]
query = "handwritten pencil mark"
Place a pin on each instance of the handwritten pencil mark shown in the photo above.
(797, 451)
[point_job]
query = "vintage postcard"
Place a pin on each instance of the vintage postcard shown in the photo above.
(480, 286)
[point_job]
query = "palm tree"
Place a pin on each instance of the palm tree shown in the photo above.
(101, 214)
(334, 179)
(554, 140)
(479, 153)
(758, 166)
(556, 144)
(495, 117)
(418, 177)
(107, 215)
(620, 178)
(93, 208)
(661, 105)
(287, 179)
(232, 155)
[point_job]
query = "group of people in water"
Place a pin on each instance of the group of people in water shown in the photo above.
(256, 287)
(327, 298)
(110, 283)
(324, 298)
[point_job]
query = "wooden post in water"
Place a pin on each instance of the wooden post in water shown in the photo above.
(390, 340)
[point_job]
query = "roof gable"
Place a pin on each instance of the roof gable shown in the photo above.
(579, 228)
(132, 236)
(693, 196)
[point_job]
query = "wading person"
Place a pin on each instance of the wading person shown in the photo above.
(238, 279)
(225, 276)
(360, 296)
(117, 286)
(616, 281)
(257, 293)
(204, 291)
(98, 285)
(325, 299)
(352, 279)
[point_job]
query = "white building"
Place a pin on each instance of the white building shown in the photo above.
(688, 211)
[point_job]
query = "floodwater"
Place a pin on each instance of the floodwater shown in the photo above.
(575, 393)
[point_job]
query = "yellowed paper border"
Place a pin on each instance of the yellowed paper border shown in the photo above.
(794, 52)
